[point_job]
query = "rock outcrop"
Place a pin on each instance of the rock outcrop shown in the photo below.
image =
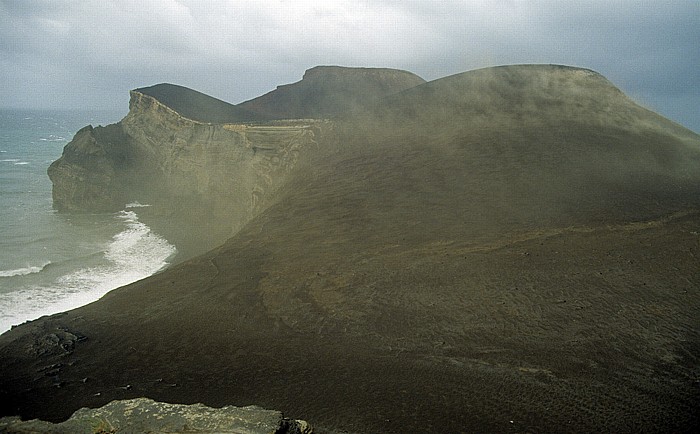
(90, 174)
(142, 415)
(219, 174)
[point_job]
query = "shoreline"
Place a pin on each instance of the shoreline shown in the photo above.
(134, 253)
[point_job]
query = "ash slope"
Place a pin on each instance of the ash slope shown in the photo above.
(198, 106)
(332, 91)
(508, 249)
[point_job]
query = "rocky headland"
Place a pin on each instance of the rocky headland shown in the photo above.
(193, 173)
(513, 249)
(207, 166)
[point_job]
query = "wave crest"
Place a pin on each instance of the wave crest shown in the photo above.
(23, 271)
(132, 254)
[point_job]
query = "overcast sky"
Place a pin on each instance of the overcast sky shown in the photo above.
(89, 53)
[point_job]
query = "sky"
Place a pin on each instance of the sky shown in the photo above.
(87, 54)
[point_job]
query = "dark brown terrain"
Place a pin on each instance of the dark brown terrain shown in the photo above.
(513, 249)
(330, 91)
(198, 106)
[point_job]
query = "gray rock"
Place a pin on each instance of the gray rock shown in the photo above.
(143, 415)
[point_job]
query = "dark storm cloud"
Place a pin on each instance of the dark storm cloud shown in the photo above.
(90, 53)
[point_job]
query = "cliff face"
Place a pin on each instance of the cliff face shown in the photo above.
(193, 159)
(213, 175)
(88, 175)
(228, 165)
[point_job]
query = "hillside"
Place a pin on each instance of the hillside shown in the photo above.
(198, 106)
(535, 146)
(512, 249)
(327, 91)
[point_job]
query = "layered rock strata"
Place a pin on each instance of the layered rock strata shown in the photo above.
(216, 176)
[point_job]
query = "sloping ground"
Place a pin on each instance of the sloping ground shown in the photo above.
(506, 250)
(536, 145)
(198, 106)
(327, 91)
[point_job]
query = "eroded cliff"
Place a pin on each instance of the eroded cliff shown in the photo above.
(212, 176)
(204, 164)
(89, 176)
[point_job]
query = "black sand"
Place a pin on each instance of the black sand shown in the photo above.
(573, 331)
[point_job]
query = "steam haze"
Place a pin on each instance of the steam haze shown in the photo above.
(88, 54)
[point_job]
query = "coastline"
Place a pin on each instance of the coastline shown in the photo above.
(133, 253)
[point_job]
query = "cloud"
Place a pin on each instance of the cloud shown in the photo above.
(91, 52)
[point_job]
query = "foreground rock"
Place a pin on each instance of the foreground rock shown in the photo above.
(144, 415)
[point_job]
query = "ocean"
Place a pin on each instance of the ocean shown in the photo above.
(51, 262)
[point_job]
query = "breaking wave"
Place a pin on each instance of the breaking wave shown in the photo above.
(23, 271)
(132, 254)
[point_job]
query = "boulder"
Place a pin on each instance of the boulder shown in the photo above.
(142, 415)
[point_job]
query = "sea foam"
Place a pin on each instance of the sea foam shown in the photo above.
(132, 254)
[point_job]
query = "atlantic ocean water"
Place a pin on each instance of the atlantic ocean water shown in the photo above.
(51, 262)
